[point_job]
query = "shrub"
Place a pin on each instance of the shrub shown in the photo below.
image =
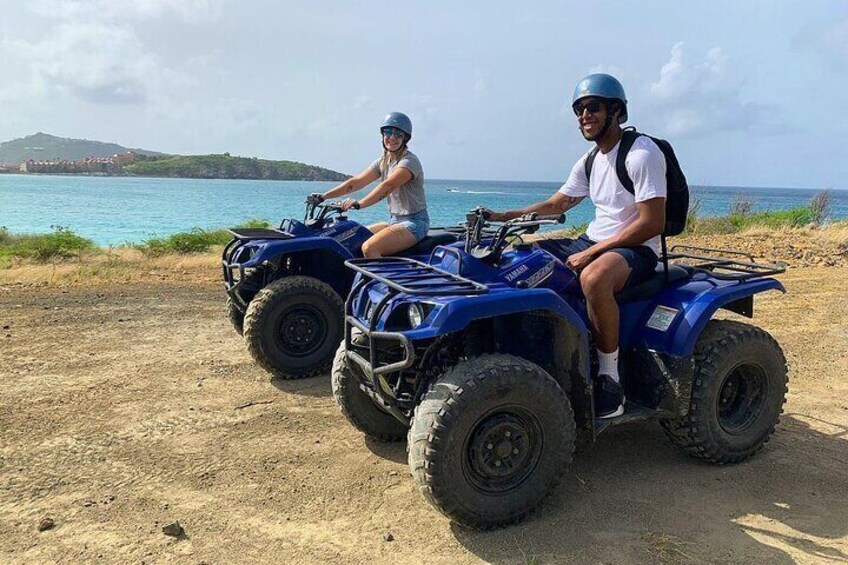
(197, 240)
(742, 205)
(821, 207)
(58, 244)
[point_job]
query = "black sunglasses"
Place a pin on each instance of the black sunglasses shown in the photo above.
(594, 106)
(392, 132)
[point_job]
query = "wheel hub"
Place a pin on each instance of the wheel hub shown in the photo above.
(503, 451)
(741, 399)
(302, 330)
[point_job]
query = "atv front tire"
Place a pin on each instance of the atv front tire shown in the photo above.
(737, 395)
(490, 440)
(293, 326)
(358, 407)
(235, 316)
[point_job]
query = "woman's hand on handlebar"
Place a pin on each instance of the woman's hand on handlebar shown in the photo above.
(349, 203)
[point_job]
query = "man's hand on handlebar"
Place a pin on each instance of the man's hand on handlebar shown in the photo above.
(492, 216)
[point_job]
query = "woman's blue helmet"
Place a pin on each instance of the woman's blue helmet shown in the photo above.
(398, 120)
(601, 85)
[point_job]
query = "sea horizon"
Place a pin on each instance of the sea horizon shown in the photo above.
(113, 210)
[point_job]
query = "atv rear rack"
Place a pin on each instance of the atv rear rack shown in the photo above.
(715, 262)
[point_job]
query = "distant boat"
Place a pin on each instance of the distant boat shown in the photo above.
(453, 190)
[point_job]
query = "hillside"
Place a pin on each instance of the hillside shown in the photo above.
(226, 166)
(46, 147)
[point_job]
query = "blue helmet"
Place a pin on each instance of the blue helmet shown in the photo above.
(398, 120)
(603, 86)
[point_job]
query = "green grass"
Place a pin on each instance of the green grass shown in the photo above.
(197, 240)
(61, 243)
(738, 222)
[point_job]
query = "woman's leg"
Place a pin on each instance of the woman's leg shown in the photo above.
(388, 241)
(379, 226)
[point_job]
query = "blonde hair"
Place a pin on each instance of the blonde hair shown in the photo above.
(387, 155)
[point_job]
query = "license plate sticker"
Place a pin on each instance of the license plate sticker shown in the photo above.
(662, 318)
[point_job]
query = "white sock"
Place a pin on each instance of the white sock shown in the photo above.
(608, 364)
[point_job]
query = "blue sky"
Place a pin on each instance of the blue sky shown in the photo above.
(749, 92)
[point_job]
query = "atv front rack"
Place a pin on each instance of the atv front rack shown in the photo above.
(740, 266)
(409, 276)
(232, 259)
(259, 233)
(400, 275)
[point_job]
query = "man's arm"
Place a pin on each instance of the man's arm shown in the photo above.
(556, 204)
(648, 224)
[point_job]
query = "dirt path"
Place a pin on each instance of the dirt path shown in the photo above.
(125, 409)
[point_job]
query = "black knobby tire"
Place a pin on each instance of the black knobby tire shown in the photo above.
(293, 326)
(235, 316)
(737, 396)
(358, 407)
(491, 438)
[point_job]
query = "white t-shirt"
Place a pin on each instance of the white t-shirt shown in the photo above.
(615, 208)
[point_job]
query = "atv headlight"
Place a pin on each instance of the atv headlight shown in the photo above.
(415, 313)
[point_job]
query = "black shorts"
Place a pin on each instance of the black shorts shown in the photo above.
(641, 259)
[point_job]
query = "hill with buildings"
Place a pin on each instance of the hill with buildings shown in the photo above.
(47, 154)
(228, 167)
(46, 147)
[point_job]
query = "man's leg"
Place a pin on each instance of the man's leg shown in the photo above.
(605, 276)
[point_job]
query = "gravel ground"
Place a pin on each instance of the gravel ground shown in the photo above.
(127, 408)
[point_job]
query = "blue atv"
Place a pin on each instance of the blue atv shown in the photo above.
(285, 285)
(482, 358)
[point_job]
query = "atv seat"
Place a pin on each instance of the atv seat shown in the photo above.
(653, 285)
(433, 239)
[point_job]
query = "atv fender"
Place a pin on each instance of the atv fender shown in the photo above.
(690, 307)
(273, 250)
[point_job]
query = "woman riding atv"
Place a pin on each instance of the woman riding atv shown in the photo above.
(401, 182)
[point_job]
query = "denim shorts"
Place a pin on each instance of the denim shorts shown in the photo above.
(641, 259)
(418, 223)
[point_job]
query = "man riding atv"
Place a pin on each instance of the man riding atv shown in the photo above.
(620, 246)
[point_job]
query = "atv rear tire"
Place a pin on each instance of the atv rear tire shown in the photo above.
(358, 407)
(490, 440)
(737, 395)
(293, 326)
(235, 316)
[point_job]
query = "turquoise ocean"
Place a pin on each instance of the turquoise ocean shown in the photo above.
(117, 210)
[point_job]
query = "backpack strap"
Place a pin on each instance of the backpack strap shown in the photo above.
(628, 137)
(590, 160)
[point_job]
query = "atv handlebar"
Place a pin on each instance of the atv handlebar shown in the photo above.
(476, 222)
(317, 209)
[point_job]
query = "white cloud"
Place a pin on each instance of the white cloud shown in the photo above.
(481, 85)
(93, 62)
(829, 41)
(87, 10)
(362, 101)
(693, 99)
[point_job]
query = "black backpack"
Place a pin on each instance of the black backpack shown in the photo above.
(677, 196)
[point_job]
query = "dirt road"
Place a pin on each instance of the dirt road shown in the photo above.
(124, 409)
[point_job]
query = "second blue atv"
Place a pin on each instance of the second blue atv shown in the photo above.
(285, 286)
(482, 358)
